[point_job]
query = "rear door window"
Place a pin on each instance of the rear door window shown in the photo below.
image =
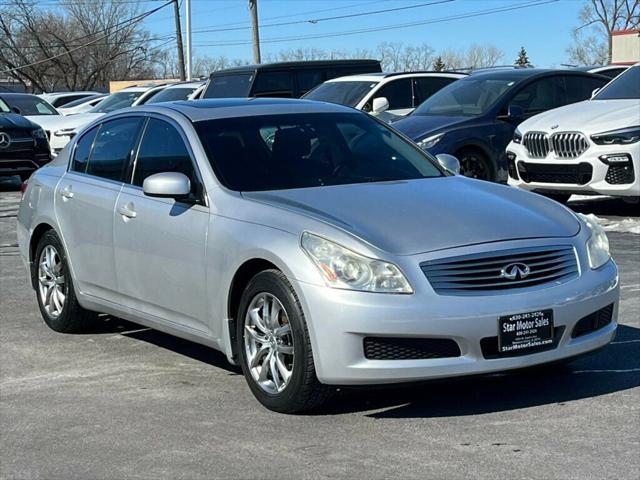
(112, 148)
(307, 79)
(229, 86)
(580, 88)
(424, 87)
(83, 150)
(162, 149)
(273, 84)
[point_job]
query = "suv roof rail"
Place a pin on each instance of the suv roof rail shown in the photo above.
(410, 72)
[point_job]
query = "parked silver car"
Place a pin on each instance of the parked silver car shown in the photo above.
(313, 245)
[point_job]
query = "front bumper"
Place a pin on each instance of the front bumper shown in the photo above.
(340, 320)
(595, 176)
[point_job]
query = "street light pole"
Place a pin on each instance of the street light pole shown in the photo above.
(253, 8)
(176, 13)
(188, 28)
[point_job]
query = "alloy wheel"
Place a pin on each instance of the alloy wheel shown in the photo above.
(51, 281)
(474, 167)
(268, 342)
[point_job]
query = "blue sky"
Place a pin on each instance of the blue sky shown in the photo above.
(545, 31)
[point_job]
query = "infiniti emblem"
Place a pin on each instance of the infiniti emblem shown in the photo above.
(515, 271)
(5, 140)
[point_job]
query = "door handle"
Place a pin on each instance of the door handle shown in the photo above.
(66, 192)
(127, 210)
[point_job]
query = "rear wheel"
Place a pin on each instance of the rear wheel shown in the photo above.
(54, 288)
(274, 346)
(475, 164)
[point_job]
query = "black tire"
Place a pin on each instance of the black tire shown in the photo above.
(559, 197)
(303, 392)
(72, 318)
(475, 164)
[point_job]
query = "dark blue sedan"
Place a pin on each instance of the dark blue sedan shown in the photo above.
(475, 117)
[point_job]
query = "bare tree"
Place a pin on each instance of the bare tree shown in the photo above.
(80, 46)
(598, 19)
(476, 56)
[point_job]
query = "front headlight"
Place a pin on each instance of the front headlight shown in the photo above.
(598, 243)
(430, 141)
(517, 136)
(39, 133)
(64, 132)
(623, 136)
(346, 269)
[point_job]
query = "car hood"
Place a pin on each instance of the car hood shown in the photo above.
(417, 127)
(590, 116)
(58, 122)
(417, 216)
(13, 120)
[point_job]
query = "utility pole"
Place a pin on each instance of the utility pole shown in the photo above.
(189, 50)
(176, 14)
(253, 8)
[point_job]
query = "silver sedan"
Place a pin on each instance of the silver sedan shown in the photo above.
(313, 245)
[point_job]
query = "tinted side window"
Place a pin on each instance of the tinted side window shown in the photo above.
(307, 79)
(229, 86)
(398, 92)
(427, 86)
(112, 148)
(162, 150)
(541, 95)
(83, 150)
(580, 88)
(58, 102)
(273, 84)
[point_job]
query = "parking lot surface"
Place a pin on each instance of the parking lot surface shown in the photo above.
(127, 401)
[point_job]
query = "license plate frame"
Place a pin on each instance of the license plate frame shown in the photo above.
(521, 332)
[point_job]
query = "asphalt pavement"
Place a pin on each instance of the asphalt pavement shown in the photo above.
(130, 402)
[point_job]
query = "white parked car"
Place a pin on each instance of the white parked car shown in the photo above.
(176, 91)
(59, 99)
(65, 127)
(397, 94)
(81, 105)
(590, 147)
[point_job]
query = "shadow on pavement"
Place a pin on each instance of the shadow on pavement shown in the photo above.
(10, 184)
(601, 206)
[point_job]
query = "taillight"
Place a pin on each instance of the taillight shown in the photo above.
(23, 187)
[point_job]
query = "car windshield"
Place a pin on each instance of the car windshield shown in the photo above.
(31, 105)
(4, 108)
(82, 101)
(172, 94)
(624, 87)
(470, 97)
(345, 93)
(116, 101)
(276, 152)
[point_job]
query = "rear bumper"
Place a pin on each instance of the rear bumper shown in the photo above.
(339, 321)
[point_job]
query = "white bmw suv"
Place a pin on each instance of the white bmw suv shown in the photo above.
(590, 147)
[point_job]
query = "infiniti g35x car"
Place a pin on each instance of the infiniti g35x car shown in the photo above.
(311, 244)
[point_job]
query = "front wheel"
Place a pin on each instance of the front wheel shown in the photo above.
(274, 346)
(475, 164)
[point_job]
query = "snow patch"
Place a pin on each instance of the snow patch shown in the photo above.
(623, 225)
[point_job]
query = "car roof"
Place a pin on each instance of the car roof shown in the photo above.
(63, 94)
(214, 108)
(15, 95)
(376, 77)
(519, 74)
(296, 65)
(194, 84)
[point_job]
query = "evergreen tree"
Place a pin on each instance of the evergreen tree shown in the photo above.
(523, 59)
(438, 64)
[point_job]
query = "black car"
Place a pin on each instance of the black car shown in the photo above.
(474, 118)
(23, 144)
(282, 79)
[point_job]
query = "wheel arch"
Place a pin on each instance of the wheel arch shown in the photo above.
(36, 235)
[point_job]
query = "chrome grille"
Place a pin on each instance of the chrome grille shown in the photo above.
(482, 274)
(569, 144)
(537, 144)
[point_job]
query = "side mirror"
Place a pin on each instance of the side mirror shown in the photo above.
(167, 185)
(380, 104)
(595, 92)
(449, 162)
(515, 112)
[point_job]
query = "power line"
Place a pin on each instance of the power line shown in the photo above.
(132, 20)
(383, 28)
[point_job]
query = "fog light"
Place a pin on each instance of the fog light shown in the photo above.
(615, 158)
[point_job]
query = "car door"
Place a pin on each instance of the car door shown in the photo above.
(159, 243)
(85, 199)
